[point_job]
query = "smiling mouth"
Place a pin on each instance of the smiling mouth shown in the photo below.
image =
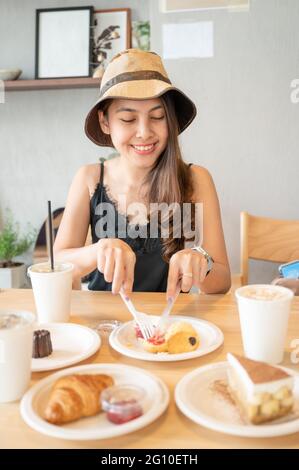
(145, 148)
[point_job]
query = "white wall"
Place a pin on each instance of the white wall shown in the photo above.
(247, 129)
(246, 132)
(42, 139)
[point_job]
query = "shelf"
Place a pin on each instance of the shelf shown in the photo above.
(51, 83)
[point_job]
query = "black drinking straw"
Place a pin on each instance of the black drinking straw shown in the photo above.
(51, 235)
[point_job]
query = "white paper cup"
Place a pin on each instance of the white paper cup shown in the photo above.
(52, 291)
(15, 354)
(264, 313)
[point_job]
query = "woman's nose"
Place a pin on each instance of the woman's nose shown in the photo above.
(144, 130)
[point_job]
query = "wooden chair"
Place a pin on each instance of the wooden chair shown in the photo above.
(267, 239)
(41, 250)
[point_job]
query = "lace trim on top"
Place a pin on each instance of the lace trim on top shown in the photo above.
(139, 245)
(115, 204)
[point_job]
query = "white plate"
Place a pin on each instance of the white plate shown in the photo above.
(96, 427)
(123, 340)
(71, 343)
(197, 399)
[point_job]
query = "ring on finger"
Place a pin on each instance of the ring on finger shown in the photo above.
(188, 274)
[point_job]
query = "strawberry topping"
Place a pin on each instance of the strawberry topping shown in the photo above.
(156, 339)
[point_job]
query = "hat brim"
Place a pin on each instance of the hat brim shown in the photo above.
(139, 90)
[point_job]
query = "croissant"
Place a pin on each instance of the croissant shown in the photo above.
(76, 396)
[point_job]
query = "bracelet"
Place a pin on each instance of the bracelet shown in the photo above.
(208, 257)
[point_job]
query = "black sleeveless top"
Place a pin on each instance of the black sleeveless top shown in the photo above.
(151, 270)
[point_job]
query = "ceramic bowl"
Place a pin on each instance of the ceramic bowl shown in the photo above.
(10, 74)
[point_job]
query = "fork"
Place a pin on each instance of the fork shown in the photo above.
(166, 312)
(143, 321)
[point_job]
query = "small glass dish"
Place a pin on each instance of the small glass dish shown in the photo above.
(105, 327)
(123, 403)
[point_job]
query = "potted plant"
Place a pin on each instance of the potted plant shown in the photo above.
(12, 244)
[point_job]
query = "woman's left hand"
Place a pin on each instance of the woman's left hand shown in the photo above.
(188, 267)
(292, 284)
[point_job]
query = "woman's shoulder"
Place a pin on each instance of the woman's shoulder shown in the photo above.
(91, 170)
(88, 175)
(202, 182)
(201, 174)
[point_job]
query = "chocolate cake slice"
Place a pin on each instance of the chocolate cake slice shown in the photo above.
(42, 345)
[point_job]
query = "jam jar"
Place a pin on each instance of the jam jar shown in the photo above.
(123, 403)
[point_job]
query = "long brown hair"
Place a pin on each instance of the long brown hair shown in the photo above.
(170, 180)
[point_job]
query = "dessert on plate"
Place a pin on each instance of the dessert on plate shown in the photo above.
(42, 344)
(76, 396)
(179, 337)
(262, 391)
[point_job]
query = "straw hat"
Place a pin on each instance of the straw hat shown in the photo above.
(137, 75)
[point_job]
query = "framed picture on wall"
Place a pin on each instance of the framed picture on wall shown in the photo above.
(111, 35)
(63, 42)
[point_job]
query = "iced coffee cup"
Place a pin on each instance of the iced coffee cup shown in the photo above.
(264, 313)
(16, 336)
(52, 291)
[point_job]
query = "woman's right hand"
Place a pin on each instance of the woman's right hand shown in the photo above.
(116, 261)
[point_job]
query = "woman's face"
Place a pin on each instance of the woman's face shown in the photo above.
(138, 129)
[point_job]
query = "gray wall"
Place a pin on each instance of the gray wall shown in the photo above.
(247, 130)
(246, 133)
(42, 141)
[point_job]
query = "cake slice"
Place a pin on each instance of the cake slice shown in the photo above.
(262, 391)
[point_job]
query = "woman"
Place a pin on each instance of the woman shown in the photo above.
(141, 114)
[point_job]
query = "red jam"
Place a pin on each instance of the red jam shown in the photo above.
(123, 403)
(156, 339)
(138, 332)
(122, 413)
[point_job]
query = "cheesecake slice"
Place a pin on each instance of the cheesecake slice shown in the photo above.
(262, 391)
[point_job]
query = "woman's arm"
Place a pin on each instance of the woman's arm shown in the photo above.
(219, 279)
(192, 263)
(114, 258)
(72, 233)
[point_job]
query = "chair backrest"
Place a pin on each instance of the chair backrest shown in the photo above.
(41, 250)
(267, 239)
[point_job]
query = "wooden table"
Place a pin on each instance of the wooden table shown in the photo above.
(173, 429)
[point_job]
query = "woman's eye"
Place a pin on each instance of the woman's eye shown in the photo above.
(154, 118)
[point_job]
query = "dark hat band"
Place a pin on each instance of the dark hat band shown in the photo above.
(130, 76)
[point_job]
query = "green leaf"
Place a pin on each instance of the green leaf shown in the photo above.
(13, 244)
